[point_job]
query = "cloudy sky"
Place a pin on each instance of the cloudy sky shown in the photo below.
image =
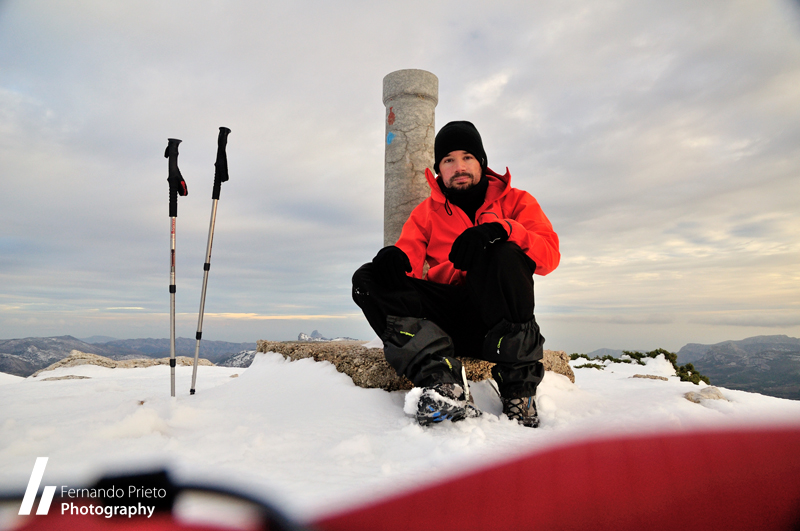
(662, 139)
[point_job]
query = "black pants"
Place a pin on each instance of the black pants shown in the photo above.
(423, 324)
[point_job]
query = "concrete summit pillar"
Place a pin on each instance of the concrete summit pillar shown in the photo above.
(410, 97)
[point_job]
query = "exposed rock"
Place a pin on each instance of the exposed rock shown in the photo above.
(558, 362)
(76, 357)
(707, 393)
(651, 376)
(183, 361)
(368, 367)
(67, 377)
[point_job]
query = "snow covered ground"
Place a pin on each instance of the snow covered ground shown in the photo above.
(302, 436)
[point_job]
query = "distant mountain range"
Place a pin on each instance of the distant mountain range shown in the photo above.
(213, 351)
(316, 336)
(23, 357)
(97, 339)
(744, 347)
(768, 365)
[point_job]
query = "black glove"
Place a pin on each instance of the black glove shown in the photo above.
(391, 265)
(473, 242)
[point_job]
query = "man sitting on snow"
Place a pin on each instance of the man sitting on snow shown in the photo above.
(482, 240)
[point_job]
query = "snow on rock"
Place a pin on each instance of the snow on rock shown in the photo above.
(76, 357)
(303, 436)
(707, 393)
(240, 359)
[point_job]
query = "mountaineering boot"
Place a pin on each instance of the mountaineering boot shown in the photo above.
(523, 410)
(445, 401)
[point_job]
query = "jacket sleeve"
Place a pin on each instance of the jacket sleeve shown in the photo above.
(414, 240)
(529, 228)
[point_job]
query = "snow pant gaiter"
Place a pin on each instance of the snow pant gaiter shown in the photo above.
(421, 350)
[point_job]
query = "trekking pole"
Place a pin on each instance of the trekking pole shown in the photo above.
(177, 186)
(220, 176)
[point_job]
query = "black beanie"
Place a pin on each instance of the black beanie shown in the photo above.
(457, 136)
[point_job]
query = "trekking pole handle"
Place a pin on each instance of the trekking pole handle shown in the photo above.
(221, 166)
(177, 186)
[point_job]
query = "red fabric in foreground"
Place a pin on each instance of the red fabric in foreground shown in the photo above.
(708, 480)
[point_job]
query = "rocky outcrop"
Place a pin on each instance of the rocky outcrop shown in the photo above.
(557, 361)
(76, 357)
(368, 367)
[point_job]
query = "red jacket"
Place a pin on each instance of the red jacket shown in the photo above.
(430, 231)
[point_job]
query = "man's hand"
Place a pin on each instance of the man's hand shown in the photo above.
(473, 242)
(391, 265)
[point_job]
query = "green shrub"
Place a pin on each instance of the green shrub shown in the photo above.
(688, 373)
(670, 356)
(612, 359)
(590, 366)
(637, 356)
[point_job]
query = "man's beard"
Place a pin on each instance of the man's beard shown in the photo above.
(465, 186)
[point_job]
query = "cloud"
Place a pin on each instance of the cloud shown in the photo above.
(611, 318)
(751, 319)
(660, 138)
(486, 91)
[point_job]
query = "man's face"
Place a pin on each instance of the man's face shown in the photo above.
(460, 170)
